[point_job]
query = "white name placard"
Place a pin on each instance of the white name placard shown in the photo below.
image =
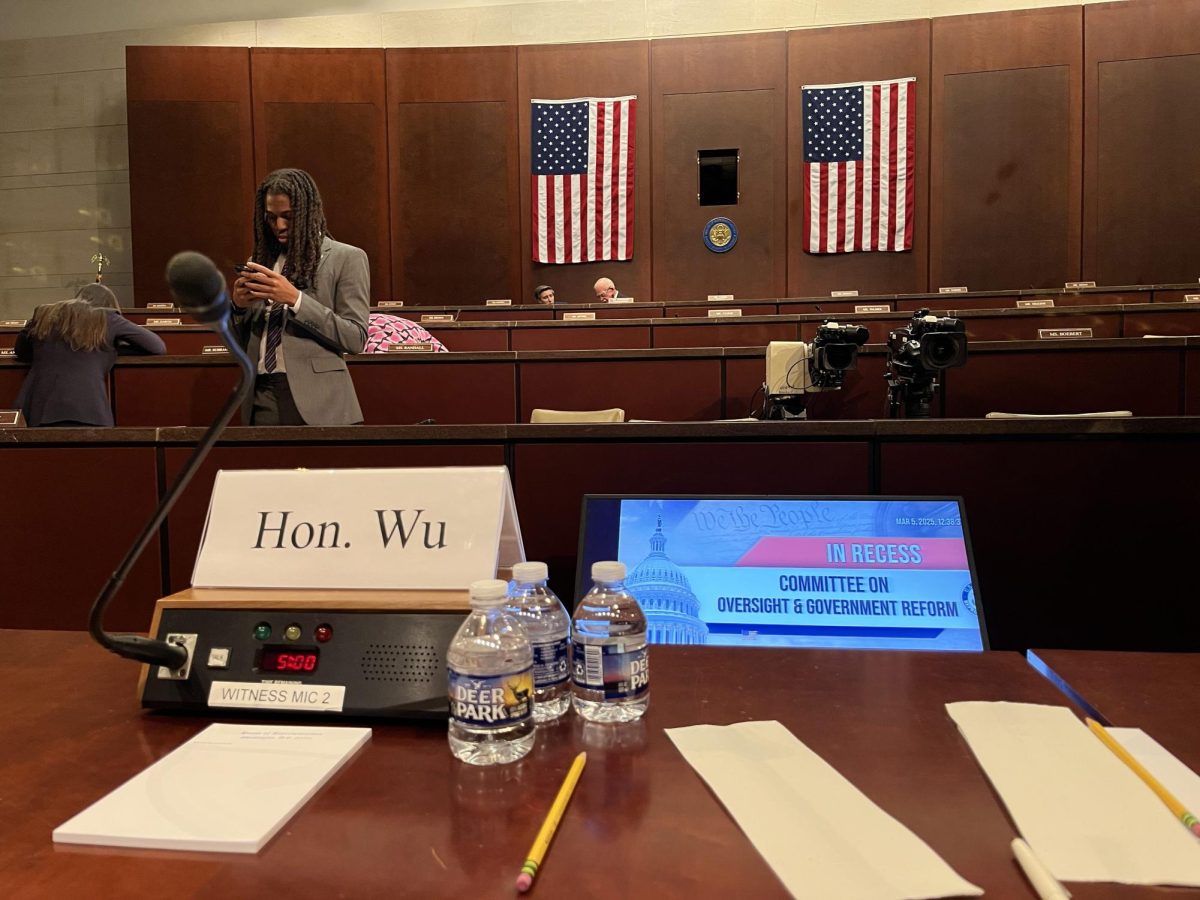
(214, 348)
(390, 304)
(958, 289)
(872, 308)
(437, 317)
(1061, 333)
(160, 306)
(251, 695)
(8, 351)
(500, 302)
(162, 322)
(419, 528)
(843, 293)
(579, 316)
(1040, 303)
(1191, 298)
(724, 313)
(13, 323)
(621, 300)
(1076, 285)
(720, 298)
(12, 418)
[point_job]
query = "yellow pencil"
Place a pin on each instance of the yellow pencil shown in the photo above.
(542, 842)
(1189, 821)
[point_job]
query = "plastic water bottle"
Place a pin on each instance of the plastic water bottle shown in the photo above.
(611, 664)
(490, 668)
(546, 622)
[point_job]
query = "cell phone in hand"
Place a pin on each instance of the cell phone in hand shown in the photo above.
(239, 268)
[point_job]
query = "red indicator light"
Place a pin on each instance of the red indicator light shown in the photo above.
(323, 633)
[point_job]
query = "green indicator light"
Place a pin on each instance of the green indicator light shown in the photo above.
(292, 633)
(262, 631)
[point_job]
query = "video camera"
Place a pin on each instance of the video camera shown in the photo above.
(795, 368)
(916, 353)
(834, 352)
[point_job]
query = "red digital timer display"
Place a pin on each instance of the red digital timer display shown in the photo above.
(277, 658)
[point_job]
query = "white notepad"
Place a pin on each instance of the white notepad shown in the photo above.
(228, 789)
(821, 835)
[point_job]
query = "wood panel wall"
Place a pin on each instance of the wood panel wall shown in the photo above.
(1053, 145)
(191, 158)
(711, 94)
(1006, 149)
(1142, 166)
(325, 111)
(452, 125)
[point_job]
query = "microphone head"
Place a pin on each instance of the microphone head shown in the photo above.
(198, 286)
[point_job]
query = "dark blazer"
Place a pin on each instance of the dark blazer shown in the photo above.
(332, 321)
(65, 385)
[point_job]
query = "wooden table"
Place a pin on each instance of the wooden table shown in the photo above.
(1156, 692)
(406, 819)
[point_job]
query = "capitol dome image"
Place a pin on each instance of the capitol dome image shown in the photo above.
(672, 610)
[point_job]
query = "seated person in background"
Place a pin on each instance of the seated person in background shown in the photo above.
(98, 295)
(605, 290)
(71, 346)
(543, 293)
(384, 329)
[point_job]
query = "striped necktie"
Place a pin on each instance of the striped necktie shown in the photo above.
(274, 335)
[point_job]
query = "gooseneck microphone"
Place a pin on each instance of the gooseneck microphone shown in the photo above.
(198, 286)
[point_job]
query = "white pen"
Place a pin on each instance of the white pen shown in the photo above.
(1047, 886)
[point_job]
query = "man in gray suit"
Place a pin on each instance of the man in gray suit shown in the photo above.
(300, 303)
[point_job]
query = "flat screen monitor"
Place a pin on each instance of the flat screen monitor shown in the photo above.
(857, 572)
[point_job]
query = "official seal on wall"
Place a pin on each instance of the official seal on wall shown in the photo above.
(720, 235)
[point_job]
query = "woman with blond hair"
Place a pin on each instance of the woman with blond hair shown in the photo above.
(71, 346)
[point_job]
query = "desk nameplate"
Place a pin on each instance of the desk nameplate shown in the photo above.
(505, 301)
(720, 298)
(415, 347)
(437, 317)
(724, 313)
(579, 316)
(872, 308)
(1191, 298)
(1040, 303)
(11, 418)
(1076, 285)
(161, 306)
(161, 323)
(390, 304)
(621, 300)
(13, 323)
(209, 349)
(1064, 333)
(957, 289)
(843, 293)
(8, 351)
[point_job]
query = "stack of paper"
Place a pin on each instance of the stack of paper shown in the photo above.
(230, 788)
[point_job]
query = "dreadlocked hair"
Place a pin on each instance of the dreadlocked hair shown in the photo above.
(76, 323)
(305, 230)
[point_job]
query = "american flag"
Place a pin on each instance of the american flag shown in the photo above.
(581, 154)
(858, 166)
